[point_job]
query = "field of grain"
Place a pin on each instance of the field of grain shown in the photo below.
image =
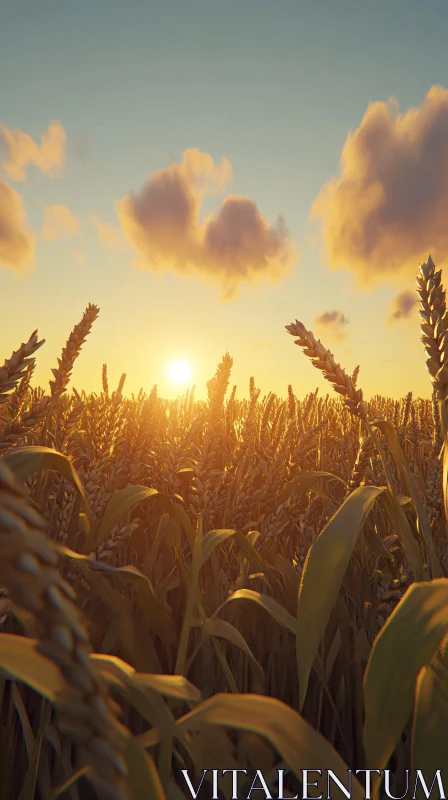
(229, 584)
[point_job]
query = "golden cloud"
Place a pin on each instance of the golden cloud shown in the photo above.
(333, 323)
(59, 221)
(235, 245)
(16, 237)
(403, 305)
(389, 205)
(108, 234)
(21, 151)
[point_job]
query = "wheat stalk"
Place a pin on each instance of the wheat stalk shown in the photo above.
(15, 367)
(71, 350)
(29, 572)
(104, 380)
(324, 360)
(434, 327)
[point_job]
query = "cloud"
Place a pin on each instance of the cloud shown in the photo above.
(333, 323)
(16, 237)
(21, 151)
(108, 234)
(389, 205)
(234, 245)
(402, 306)
(59, 221)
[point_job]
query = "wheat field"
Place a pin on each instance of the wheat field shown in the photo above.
(228, 584)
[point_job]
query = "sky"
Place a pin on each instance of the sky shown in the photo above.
(207, 172)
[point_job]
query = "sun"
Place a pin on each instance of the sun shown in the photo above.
(180, 371)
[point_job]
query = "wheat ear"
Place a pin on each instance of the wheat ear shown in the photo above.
(15, 367)
(71, 351)
(323, 360)
(434, 327)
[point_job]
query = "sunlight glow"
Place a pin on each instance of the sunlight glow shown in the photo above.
(180, 371)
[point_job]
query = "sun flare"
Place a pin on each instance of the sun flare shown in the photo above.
(180, 371)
